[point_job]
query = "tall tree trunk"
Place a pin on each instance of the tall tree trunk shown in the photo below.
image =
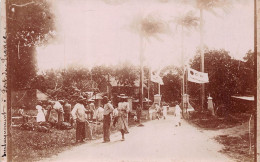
(183, 82)
(141, 90)
(202, 57)
(256, 80)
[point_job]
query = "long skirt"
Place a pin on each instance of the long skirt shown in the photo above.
(106, 128)
(80, 131)
(123, 123)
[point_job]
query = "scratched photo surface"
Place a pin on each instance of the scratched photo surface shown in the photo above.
(130, 80)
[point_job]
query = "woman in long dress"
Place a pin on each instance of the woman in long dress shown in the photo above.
(40, 115)
(123, 110)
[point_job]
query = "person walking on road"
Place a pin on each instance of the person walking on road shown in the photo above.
(123, 109)
(79, 116)
(177, 115)
(108, 109)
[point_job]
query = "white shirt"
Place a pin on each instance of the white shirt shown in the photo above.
(108, 108)
(99, 113)
(78, 112)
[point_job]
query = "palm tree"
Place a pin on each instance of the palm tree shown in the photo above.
(210, 6)
(150, 26)
(187, 22)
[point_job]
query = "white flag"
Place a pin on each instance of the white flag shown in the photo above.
(197, 77)
(156, 78)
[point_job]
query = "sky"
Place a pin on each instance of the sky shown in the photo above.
(92, 33)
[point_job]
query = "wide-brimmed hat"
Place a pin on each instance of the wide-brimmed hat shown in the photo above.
(61, 101)
(123, 96)
(80, 99)
(90, 100)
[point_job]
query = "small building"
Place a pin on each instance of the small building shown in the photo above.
(98, 98)
(27, 98)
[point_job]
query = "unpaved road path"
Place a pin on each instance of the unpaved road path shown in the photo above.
(158, 140)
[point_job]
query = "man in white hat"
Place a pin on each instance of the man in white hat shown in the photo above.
(79, 116)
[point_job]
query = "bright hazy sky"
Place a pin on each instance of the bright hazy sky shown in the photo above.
(94, 33)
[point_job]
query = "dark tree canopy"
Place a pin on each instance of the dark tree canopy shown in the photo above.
(226, 76)
(29, 24)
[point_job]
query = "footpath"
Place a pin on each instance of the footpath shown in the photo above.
(158, 140)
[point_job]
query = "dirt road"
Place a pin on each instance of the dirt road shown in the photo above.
(158, 140)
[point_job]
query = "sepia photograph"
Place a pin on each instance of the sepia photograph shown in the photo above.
(129, 80)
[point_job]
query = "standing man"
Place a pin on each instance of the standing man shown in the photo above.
(67, 111)
(108, 109)
(79, 116)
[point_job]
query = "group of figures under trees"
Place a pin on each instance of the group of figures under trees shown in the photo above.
(31, 24)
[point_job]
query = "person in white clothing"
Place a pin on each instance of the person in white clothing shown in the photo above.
(177, 115)
(79, 116)
(164, 111)
(100, 114)
(40, 115)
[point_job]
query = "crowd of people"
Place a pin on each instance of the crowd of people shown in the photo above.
(84, 111)
(160, 111)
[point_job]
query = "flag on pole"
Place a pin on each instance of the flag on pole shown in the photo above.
(156, 78)
(197, 77)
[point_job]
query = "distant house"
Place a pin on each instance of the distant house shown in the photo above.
(242, 103)
(27, 98)
(98, 98)
(129, 90)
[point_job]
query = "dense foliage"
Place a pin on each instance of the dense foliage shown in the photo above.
(227, 76)
(29, 24)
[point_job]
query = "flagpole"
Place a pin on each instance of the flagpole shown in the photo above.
(159, 91)
(149, 82)
(182, 59)
(141, 73)
(202, 59)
